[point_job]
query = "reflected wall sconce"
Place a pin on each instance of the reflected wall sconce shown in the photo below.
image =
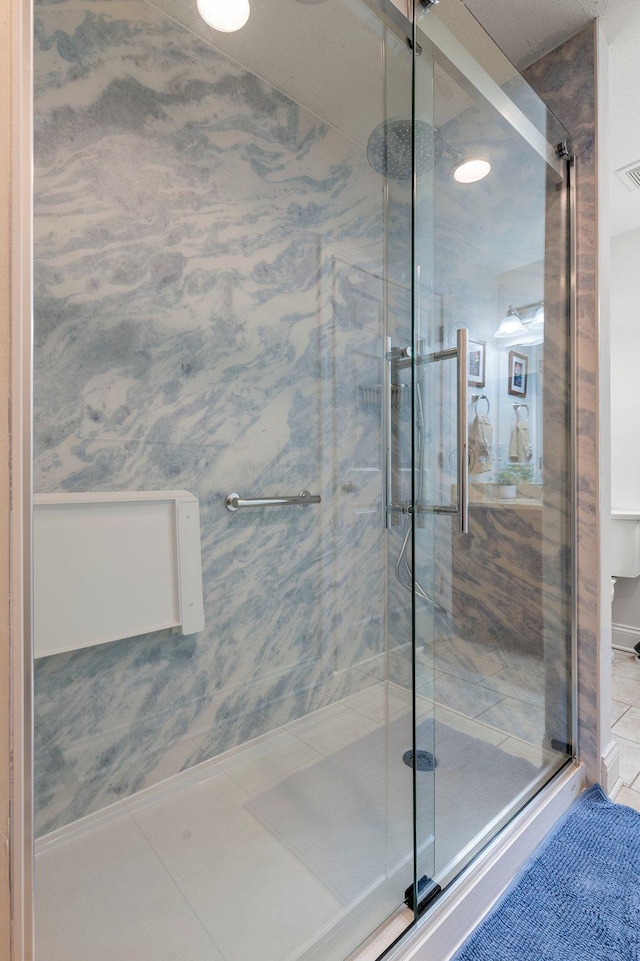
(538, 320)
(513, 324)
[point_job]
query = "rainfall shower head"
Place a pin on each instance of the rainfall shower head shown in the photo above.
(390, 147)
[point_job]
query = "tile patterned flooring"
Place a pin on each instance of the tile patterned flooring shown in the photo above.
(626, 724)
(185, 871)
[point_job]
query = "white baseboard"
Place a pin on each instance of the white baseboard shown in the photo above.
(610, 769)
(624, 636)
(474, 893)
(615, 790)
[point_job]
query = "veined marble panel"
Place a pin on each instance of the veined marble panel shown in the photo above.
(566, 78)
(208, 303)
(210, 297)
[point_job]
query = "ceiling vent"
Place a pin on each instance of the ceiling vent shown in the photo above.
(630, 176)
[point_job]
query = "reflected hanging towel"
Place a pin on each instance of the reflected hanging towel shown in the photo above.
(480, 445)
(520, 449)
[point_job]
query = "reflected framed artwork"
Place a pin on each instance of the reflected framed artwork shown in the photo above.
(476, 363)
(518, 367)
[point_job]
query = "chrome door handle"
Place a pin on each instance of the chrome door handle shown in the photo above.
(233, 502)
(460, 353)
(462, 349)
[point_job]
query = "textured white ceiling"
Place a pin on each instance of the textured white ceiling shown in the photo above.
(302, 48)
(526, 31)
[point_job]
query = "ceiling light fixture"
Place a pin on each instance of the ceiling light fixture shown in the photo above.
(470, 171)
(226, 16)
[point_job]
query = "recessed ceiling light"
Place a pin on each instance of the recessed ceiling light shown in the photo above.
(224, 15)
(470, 171)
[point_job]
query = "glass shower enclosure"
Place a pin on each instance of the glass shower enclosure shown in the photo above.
(301, 509)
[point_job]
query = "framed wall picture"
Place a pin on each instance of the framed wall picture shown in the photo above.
(518, 366)
(476, 362)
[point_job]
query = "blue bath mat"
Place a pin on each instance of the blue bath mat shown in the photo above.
(578, 898)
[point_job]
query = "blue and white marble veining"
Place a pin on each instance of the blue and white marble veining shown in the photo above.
(208, 302)
(210, 297)
(506, 583)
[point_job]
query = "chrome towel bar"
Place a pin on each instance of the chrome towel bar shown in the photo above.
(233, 502)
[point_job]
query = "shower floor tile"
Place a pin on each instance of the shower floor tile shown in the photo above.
(186, 871)
(65, 866)
(259, 773)
(516, 719)
(198, 826)
(468, 699)
(380, 702)
(134, 911)
(518, 684)
(333, 731)
(266, 885)
(473, 667)
(531, 752)
(471, 726)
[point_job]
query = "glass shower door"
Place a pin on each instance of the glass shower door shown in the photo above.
(222, 270)
(491, 372)
(255, 277)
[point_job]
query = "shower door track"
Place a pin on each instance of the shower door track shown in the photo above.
(449, 920)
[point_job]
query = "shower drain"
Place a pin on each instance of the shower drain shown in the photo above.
(424, 760)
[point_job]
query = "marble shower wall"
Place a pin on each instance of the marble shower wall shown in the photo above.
(567, 79)
(490, 582)
(208, 304)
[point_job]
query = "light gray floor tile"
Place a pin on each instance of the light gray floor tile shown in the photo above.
(260, 773)
(626, 664)
(626, 689)
(64, 866)
(629, 797)
(468, 725)
(629, 759)
(289, 904)
(133, 913)
(629, 725)
(381, 702)
(199, 825)
(617, 710)
(330, 734)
